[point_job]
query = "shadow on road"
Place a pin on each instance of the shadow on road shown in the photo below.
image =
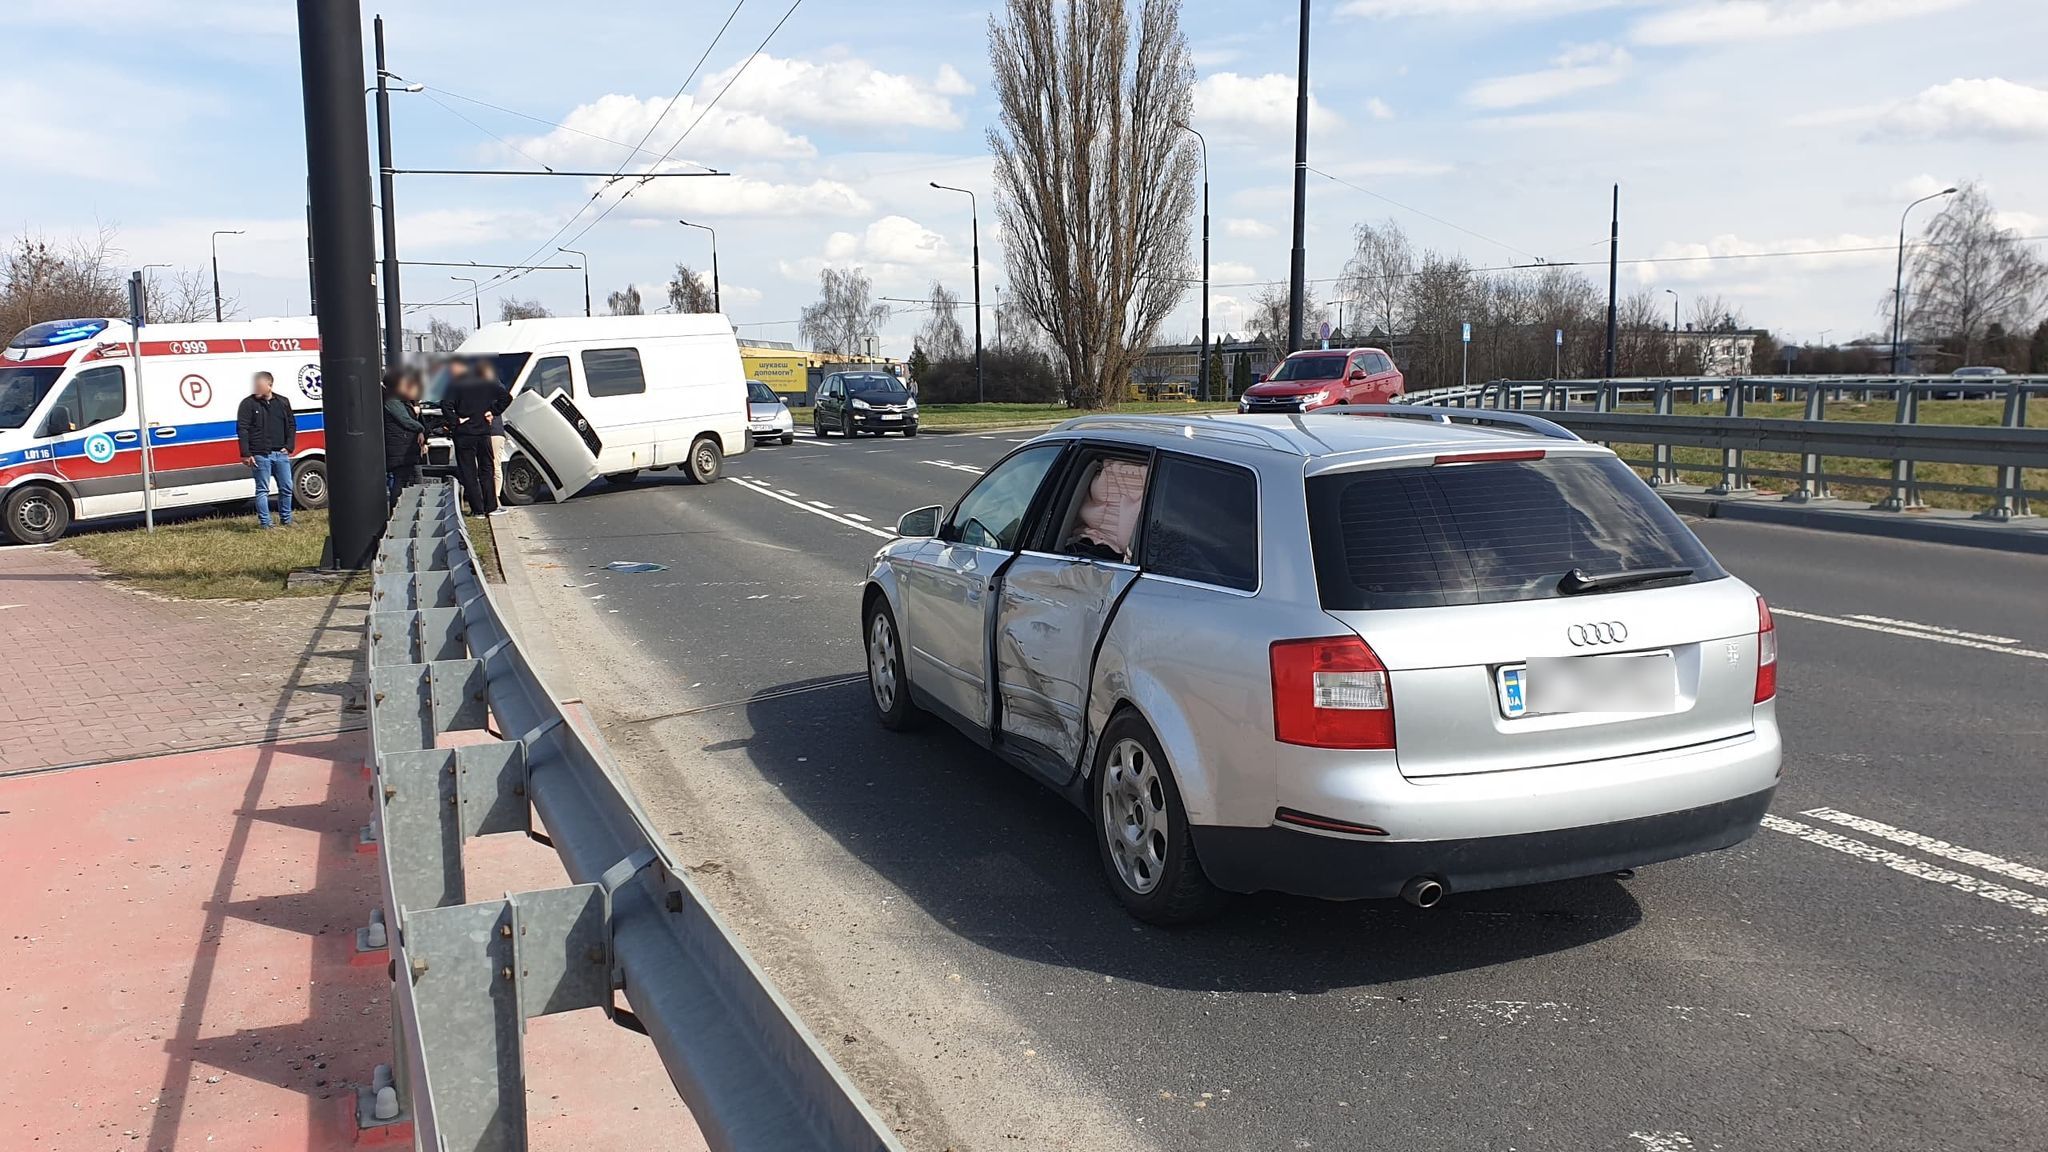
(1007, 864)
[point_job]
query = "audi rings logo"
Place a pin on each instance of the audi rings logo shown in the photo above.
(1591, 635)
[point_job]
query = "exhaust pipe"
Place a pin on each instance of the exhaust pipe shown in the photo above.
(1423, 892)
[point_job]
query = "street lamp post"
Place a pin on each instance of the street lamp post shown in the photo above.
(974, 210)
(1205, 258)
(1297, 277)
(586, 276)
(213, 243)
(479, 297)
(717, 302)
(1899, 280)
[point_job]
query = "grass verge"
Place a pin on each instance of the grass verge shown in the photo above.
(943, 416)
(214, 557)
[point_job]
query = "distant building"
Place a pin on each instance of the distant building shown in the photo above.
(1180, 365)
(1720, 353)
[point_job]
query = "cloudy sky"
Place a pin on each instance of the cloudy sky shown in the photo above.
(1487, 127)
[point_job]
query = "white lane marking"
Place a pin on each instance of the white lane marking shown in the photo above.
(1892, 630)
(1870, 853)
(821, 504)
(953, 466)
(1663, 1141)
(859, 517)
(1935, 628)
(787, 492)
(800, 506)
(1931, 846)
(1020, 440)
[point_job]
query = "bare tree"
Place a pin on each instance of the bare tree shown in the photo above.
(624, 302)
(186, 297)
(1714, 314)
(1376, 276)
(1269, 318)
(445, 337)
(689, 291)
(1968, 275)
(941, 337)
(845, 313)
(40, 281)
(1095, 180)
(513, 308)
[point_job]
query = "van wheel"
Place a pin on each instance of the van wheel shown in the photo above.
(309, 483)
(622, 479)
(36, 514)
(1141, 829)
(707, 463)
(522, 481)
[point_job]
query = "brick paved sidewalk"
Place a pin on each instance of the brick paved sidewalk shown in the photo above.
(97, 671)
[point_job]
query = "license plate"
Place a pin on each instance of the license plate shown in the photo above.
(891, 416)
(1633, 684)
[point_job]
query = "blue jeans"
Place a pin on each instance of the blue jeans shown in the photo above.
(279, 466)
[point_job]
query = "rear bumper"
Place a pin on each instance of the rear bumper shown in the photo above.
(1356, 868)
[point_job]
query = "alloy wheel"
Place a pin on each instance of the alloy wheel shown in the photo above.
(882, 661)
(1134, 817)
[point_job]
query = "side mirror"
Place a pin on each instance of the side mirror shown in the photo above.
(59, 422)
(921, 523)
(1358, 373)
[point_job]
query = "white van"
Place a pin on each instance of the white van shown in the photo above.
(71, 430)
(611, 395)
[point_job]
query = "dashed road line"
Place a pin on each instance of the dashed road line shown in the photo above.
(953, 466)
(1915, 632)
(1935, 628)
(797, 503)
(859, 517)
(821, 504)
(1871, 853)
(1931, 846)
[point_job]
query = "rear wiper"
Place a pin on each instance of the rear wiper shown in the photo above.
(1576, 582)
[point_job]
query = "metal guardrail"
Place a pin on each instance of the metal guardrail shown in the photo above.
(467, 975)
(1642, 411)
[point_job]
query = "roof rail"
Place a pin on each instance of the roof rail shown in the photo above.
(1243, 433)
(1520, 421)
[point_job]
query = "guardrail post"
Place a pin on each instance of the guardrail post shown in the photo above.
(2011, 501)
(1662, 471)
(1734, 481)
(1813, 483)
(1905, 494)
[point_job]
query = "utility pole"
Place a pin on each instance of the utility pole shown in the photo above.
(717, 301)
(974, 210)
(478, 299)
(1297, 282)
(1899, 282)
(586, 279)
(337, 143)
(1613, 275)
(1204, 370)
(387, 278)
(213, 243)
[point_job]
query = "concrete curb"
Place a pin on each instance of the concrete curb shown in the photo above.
(521, 606)
(1935, 526)
(990, 429)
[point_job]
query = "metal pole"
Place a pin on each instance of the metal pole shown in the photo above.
(1205, 260)
(586, 277)
(1297, 282)
(1613, 275)
(213, 245)
(312, 265)
(1899, 279)
(138, 308)
(974, 211)
(387, 278)
(337, 143)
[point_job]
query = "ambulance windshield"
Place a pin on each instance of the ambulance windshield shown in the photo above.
(21, 389)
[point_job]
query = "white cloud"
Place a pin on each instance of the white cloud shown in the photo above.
(1386, 166)
(1378, 109)
(601, 131)
(1870, 250)
(746, 196)
(1250, 109)
(1230, 272)
(1246, 228)
(1576, 69)
(1722, 21)
(842, 93)
(1988, 109)
(1918, 186)
(890, 240)
(1492, 9)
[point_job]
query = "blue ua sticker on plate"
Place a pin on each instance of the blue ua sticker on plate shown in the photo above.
(1512, 684)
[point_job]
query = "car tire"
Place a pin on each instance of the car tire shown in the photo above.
(888, 679)
(309, 483)
(1141, 829)
(621, 479)
(818, 429)
(847, 429)
(521, 482)
(36, 514)
(788, 438)
(909, 432)
(706, 463)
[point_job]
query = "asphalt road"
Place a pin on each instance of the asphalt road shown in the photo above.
(1868, 977)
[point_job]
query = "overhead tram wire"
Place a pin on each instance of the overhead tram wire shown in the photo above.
(1424, 215)
(619, 172)
(631, 150)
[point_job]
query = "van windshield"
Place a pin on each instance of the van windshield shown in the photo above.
(21, 389)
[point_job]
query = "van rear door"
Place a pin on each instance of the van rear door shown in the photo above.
(552, 432)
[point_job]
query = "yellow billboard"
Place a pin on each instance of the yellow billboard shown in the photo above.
(785, 373)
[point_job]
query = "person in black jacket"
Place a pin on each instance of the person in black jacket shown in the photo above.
(472, 404)
(267, 433)
(405, 438)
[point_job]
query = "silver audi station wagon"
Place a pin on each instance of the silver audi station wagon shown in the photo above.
(1366, 652)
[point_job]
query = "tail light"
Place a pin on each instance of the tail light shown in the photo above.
(1331, 693)
(1766, 652)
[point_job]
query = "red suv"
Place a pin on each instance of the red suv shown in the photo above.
(1318, 378)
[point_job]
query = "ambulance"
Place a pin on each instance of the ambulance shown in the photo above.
(71, 420)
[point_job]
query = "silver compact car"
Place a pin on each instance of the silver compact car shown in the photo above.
(768, 418)
(1368, 652)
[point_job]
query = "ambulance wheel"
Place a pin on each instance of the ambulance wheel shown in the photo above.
(309, 483)
(706, 463)
(36, 514)
(522, 482)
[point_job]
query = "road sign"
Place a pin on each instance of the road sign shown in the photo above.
(1560, 337)
(1466, 335)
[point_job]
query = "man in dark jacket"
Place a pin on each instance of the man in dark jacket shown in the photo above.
(266, 433)
(472, 404)
(404, 435)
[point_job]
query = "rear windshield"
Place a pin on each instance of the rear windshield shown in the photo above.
(1310, 368)
(1489, 533)
(759, 393)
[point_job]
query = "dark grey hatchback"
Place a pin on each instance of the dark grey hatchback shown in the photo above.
(850, 403)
